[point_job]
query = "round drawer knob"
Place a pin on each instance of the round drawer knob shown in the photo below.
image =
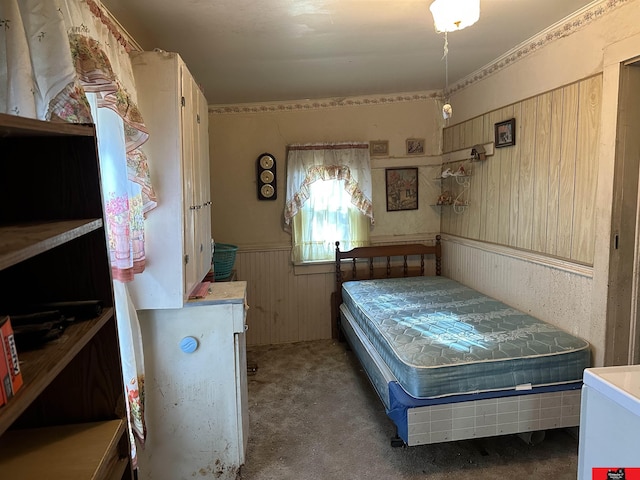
(189, 344)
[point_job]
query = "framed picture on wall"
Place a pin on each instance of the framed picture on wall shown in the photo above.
(379, 148)
(505, 133)
(415, 146)
(401, 188)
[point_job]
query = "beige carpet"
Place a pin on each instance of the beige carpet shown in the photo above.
(314, 415)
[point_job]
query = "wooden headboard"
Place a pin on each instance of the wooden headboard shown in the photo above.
(369, 263)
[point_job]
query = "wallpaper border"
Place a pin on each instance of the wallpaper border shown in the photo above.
(290, 106)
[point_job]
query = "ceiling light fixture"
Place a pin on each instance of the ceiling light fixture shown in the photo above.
(454, 15)
(451, 16)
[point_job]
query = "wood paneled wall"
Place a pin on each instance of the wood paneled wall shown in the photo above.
(539, 194)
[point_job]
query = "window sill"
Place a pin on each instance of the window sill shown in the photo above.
(314, 268)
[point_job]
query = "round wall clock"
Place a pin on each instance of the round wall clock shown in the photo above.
(267, 191)
(266, 176)
(266, 173)
(266, 161)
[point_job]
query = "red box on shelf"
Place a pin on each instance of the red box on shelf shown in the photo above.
(5, 379)
(12, 380)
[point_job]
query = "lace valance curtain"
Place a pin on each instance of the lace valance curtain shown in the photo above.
(348, 162)
(328, 199)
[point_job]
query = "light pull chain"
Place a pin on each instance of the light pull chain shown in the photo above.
(445, 57)
(447, 111)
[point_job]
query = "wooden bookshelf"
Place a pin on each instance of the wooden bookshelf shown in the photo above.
(67, 419)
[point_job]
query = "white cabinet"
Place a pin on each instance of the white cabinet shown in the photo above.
(609, 419)
(196, 387)
(178, 238)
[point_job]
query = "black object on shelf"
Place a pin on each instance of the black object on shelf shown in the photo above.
(80, 309)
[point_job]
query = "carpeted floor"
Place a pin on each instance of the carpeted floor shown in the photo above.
(314, 415)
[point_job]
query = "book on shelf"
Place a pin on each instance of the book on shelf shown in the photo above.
(12, 379)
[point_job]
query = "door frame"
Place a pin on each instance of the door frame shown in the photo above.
(616, 261)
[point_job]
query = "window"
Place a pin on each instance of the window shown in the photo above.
(328, 199)
(326, 217)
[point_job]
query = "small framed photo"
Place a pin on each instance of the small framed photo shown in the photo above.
(415, 146)
(505, 133)
(402, 189)
(379, 148)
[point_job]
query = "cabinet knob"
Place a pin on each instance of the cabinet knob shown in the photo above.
(189, 344)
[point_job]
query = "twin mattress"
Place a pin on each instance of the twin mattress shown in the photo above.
(440, 338)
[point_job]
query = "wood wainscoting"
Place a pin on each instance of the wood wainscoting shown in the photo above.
(283, 307)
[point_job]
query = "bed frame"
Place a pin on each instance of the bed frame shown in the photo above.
(526, 413)
(380, 262)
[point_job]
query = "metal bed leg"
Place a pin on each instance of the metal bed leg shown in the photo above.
(532, 438)
(396, 441)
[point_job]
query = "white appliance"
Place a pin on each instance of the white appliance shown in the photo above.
(610, 419)
(196, 387)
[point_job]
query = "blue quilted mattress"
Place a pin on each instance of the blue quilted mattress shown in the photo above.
(439, 338)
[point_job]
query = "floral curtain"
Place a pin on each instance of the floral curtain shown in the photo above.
(64, 60)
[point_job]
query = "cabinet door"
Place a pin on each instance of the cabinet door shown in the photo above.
(203, 185)
(189, 201)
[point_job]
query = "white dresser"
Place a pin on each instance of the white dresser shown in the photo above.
(196, 387)
(609, 419)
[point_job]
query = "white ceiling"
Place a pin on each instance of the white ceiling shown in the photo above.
(246, 51)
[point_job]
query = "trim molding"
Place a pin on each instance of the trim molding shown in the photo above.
(428, 237)
(117, 30)
(406, 161)
(264, 248)
(301, 105)
(375, 240)
(526, 256)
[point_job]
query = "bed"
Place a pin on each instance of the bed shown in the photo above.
(448, 362)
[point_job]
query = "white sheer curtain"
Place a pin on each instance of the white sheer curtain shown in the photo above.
(64, 60)
(328, 198)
